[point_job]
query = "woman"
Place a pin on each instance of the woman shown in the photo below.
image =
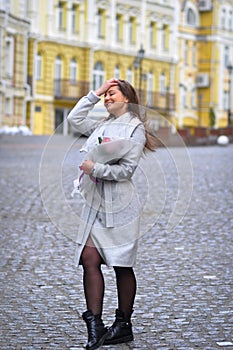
(109, 227)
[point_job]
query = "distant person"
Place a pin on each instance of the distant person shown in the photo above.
(109, 228)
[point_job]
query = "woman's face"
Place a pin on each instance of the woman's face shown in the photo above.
(115, 102)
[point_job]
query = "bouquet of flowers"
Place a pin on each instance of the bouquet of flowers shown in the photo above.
(108, 151)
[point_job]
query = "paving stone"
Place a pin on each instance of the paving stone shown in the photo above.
(184, 298)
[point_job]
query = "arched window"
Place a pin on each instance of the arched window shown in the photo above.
(9, 54)
(73, 71)
(58, 67)
(129, 75)
(58, 75)
(191, 17)
(98, 75)
(183, 96)
(162, 84)
(38, 66)
(117, 72)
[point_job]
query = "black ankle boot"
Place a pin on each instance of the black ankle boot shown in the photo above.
(120, 331)
(96, 330)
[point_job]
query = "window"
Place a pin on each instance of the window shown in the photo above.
(223, 18)
(194, 99)
(73, 71)
(230, 27)
(129, 75)
(117, 72)
(74, 19)
(162, 84)
(38, 109)
(58, 67)
(24, 8)
(57, 75)
(191, 17)
(183, 97)
(8, 106)
(165, 37)
(60, 15)
(118, 28)
(152, 34)
(7, 5)
(100, 23)
(225, 100)
(131, 30)
(38, 66)
(226, 56)
(9, 63)
(98, 75)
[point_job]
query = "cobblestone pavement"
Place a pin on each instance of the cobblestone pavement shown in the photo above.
(185, 277)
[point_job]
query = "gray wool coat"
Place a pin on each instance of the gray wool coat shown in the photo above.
(111, 212)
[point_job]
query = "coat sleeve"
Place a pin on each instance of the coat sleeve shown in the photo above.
(125, 167)
(78, 115)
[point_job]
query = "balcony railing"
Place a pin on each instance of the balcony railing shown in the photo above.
(74, 90)
(70, 90)
(155, 100)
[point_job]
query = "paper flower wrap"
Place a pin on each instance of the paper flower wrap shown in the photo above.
(110, 151)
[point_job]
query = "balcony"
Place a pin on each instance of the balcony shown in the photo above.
(70, 90)
(160, 102)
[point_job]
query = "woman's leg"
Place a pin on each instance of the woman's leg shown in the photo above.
(121, 330)
(126, 289)
(93, 280)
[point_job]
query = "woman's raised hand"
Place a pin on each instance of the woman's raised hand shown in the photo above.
(109, 83)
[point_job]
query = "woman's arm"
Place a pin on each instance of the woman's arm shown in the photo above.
(78, 115)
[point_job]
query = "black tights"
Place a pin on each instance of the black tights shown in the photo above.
(93, 282)
(126, 289)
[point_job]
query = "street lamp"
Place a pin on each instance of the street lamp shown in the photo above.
(138, 64)
(229, 68)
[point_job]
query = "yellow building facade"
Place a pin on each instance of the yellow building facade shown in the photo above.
(203, 73)
(176, 54)
(75, 45)
(14, 90)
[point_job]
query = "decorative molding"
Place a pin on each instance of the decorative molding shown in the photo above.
(153, 16)
(121, 9)
(134, 11)
(103, 4)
